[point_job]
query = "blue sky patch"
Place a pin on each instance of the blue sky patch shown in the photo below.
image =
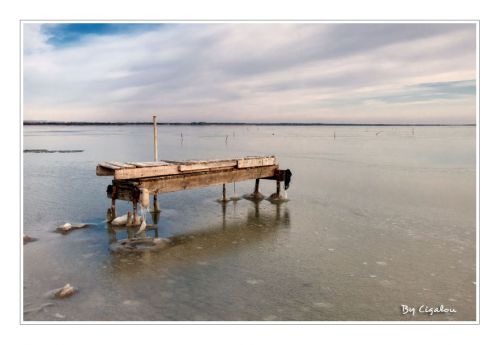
(69, 34)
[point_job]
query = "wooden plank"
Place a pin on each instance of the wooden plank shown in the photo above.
(102, 171)
(207, 165)
(108, 165)
(172, 162)
(121, 165)
(175, 183)
(148, 164)
(248, 162)
(152, 171)
(135, 170)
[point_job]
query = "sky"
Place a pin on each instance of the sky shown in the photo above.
(411, 73)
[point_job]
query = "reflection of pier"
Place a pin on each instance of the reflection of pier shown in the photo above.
(261, 226)
(257, 223)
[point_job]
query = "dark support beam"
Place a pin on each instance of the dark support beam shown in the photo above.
(135, 219)
(129, 189)
(156, 203)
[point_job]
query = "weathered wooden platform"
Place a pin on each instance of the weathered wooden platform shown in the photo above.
(136, 170)
(171, 176)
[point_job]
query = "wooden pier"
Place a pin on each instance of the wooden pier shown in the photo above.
(135, 181)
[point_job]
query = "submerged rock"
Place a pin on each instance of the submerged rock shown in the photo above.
(28, 239)
(255, 196)
(138, 245)
(276, 198)
(64, 292)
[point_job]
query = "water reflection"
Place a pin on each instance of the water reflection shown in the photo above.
(213, 240)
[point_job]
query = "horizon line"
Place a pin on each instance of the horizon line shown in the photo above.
(204, 123)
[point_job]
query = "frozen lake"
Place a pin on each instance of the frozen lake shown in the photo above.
(378, 217)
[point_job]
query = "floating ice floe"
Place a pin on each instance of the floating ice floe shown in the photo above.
(71, 226)
(122, 220)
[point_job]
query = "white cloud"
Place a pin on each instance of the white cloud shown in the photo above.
(34, 39)
(250, 72)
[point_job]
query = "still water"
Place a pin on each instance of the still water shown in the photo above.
(378, 217)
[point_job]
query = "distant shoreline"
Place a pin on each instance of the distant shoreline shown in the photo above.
(78, 123)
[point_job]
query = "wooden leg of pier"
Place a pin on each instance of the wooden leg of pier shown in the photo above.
(278, 188)
(113, 208)
(224, 196)
(135, 219)
(256, 195)
(156, 203)
(129, 219)
(109, 218)
(256, 189)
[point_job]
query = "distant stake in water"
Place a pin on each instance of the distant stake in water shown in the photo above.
(234, 197)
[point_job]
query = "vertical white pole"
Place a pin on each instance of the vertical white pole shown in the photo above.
(155, 138)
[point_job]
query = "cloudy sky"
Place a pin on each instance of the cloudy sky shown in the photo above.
(252, 72)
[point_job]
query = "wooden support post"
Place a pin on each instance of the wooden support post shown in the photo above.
(156, 203)
(256, 189)
(113, 208)
(129, 219)
(109, 218)
(278, 188)
(224, 198)
(135, 219)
